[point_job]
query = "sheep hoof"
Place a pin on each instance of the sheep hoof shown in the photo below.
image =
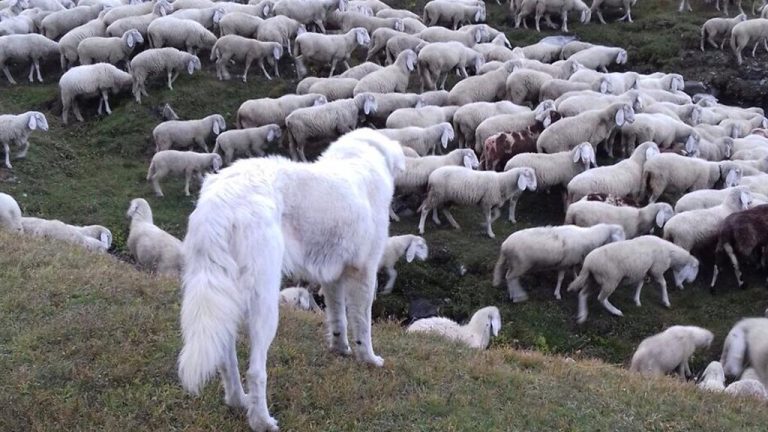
(666, 305)
(520, 298)
(257, 423)
(581, 319)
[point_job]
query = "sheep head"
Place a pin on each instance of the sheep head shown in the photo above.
(218, 124)
(362, 36)
(664, 213)
(585, 154)
(37, 121)
(193, 64)
(139, 209)
(366, 103)
(624, 115)
(215, 162)
(692, 143)
(730, 173)
(606, 86)
(398, 25)
(616, 233)
(218, 14)
(407, 60)
(274, 133)
(417, 248)
(132, 38)
(526, 179)
(446, 135)
(621, 57)
(713, 372)
(469, 160)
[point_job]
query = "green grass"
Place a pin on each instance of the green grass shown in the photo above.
(88, 172)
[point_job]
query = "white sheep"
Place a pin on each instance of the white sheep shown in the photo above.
(719, 27)
(490, 190)
(153, 248)
(635, 221)
(138, 22)
(178, 33)
(440, 58)
(237, 48)
(116, 13)
(298, 298)
(88, 81)
(25, 48)
(599, 57)
(713, 378)
(746, 344)
(662, 129)
(360, 70)
(400, 43)
(594, 127)
(484, 324)
(706, 198)
(489, 87)
(186, 133)
(422, 140)
(152, 61)
(409, 245)
(246, 141)
(15, 130)
(442, 34)
(264, 111)
(189, 163)
(670, 351)
(109, 50)
(524, 121)
(387, 103)
(747, 32)
(393, 78)
(575, 103)
(19, 24)
(327, 49)
(554, 88)
(241, 24)
(621, 179)
(10, 214)
(455, 13)
(422, 116)
(672, 173)
(55, 229)
(561, 7)
(60, 22)
(548, 248)
(69, 42)
(467, 118)
(352, 20)
(280, 29)
(689, 114)
(668, 82)
(309, 12)
(620, 81)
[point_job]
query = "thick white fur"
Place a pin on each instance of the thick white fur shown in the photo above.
(10, 213)
(88, 81)
(484, 324)
(157, 60)
(298, 298)
(25, 48)
(468, 118)
(635, 221)
(489, 87)
(178, 33)
(594, 127)
(440, 58)
(713, 378)
(514, 122)
(238, 48)
(248, 141)
(574, 103)
(153, 248)
(599, 57)
(15, 130)
(109, 50)
(280, 29)
(411, 246)
(189, 163)
(264, 111)
(324, 222)
(69, 42)
(747, 343)
(139, 22)
(672, 173)
(186, 133)
(393, 78)
(60, 22)
(707, 198)
(327, 49)
(670, 350)
(360, 70)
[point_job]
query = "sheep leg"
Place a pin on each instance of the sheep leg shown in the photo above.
(301, 154)
(729, 250)
(101, 105)
(187, 178)
(24, 148)
(156, 185)
(581, 316)
(442, 85)
(436, 218)
(393, 215)
(513, 206)
(234, 395)
(564, 17)
(37, 69)
(360, 289)
(170, 81)
(515, 291)
(754, 48)
(611, 308)
(105, 97)
(451, 220)
(76, 109)
(560, 277)
(715, 272)
(333, 68)
(489, 223)
(263, 69)
(637, 293)
(31, 77)
(8, 75)
(391, 276)
(663, 288)
(245, 71)
(423, 219)
(277, 71)
(201, 142)
(7, 150)
(336, 319)
(600, 17)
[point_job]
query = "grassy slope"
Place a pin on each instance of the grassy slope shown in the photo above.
(87, 173)
(89, 343)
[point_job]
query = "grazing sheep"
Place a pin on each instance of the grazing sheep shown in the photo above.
(409, 245)
(524, 85)
(61, 22)
(489, 87)
(181, 162)
(518, 121)
(237, 48)
(573, 104)
(274, 216)
(742, 234)
(747, 32)
(594, 127)
(261, 112)
(393, 78)
(548, 248)
(713, 378)
(69, 42)
(387, 103)
(467, 118)
(484, 324)
(635, 221)
(207, 17)
(298, 298)
(719, 27)
(246, 141)
(423, 140)
(109, 50)
(168, 60)
(488, 189)
(424, 116)
(745, 344)
(670, 351)
(178, 33)
(454, 13)
(280, 29)
(706, 198)
(154, 249)
(309, 12)
(327, 49)
(625, 5)
(186, 133)
(15, 130)
(55, 229)
(561, 7)
(88, 81)
(672, 173)
(401, 42)
(24, 48)
(10, 214)
(440, 58)
(661, 129)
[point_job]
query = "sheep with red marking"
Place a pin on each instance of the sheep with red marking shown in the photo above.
(500, 148)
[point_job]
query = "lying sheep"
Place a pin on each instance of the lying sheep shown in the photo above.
(635, 221)
(237, 48)
(88, 81)
(747, 388)
(423, 140)
(298, 298)
(741, 234)
(490, 190)
(250, 142)
(409, 245)
(393, 78)
(26, 48)
(15, 130)
(181, 162)
(152, 61)
(719, 27)
(746, 344)
(109, 50)
(484, 324)
(327, 49)
(672, 173)
(670, 351)
(57, 230)
(593, 126)
(10, 214)
(153, 248)
(261, 112)
(186, 133)
(713, 378)
(548, 248)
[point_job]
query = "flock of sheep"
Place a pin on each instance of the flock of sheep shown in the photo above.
(519, 120)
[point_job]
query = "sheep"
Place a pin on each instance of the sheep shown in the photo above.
(233, 48)
(561, 69)
(168, 60)
(697, 228)
(10, 214)
(745, 344)
(669, 82)
(599, 57)
(670, 351)
(309, 12)
(547, 248)
(375, 5)
(484, 325)
(415, 178)
(139, 22)
(753, 167)
(422, 116)
(435, 97)
(90, 80)
(523, 85)
(265, 202)
(672, 173)
(396, 13)
(441, 34)
(452, 12)
(523, 121)
(55, 229)
(626, 5)
(20, 24)
(261, 9)
(489, 190)
(179, 33)
(261, 112)
(562, 7)
(756, 183)
(186, 133)
(246, 141)
(409, 245)
(572, 104)
(116, 13)
(26, 48)
(332, 88)
(360, 70)
(379, 39)
(706, 198)
(352, 20)
(189, 163)
(151, 247)
(662, 129)
(594, 127)
(387, 103)
(15, 129)
(713, 378)
(543, 52)
(488, 87)
(620, 82)
(422, 140)
(661, 95)
(467, 118)
(746, 32)
(69, 42)
(741, 234)
(207, 17)
(280, 29)
(109, 50)
(635, 221)
(440, 58)
(97, 232)
(393, 78)
(554, 88)
(621, 179)
(327, 49)
(747, 388)
(298, 298)
(317, 125)
(60, 22)
(241, 24)
(719, 27)
(413, 26)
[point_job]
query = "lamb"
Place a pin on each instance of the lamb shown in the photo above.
(179, 33)
(246, 141)
(467, 118)
(573, 47)
(69, 42)
(261, 112)
(109, 50)
(706, 198)
(670, 351)
(747, 32)
(309, 12)
(594, 127)
(635, 221)
(97, 232)
(672, 173)
(186, 133)
(55, 229)
(484, 324)
(15, 129)
(422, 140)
(409, 245)
(441, 34)
(498, 149)
(90, 80)
(60, 22)
(453, 12)
(327, 49)
(318, 125)
(719, 27)
(741, 234)
(265, 202)
(745, 344)
(25, 48)
(489, 87)
(280, 29)
(626, 5)
(139, 22)
(546, 248)
(241, 24)
(490, 190)
(599, 57)
(562, 7)
(152, 61)
(621, 82)
(10, 214)
(298, 298)
(747, 388)
(622, 179)
(440, 58)
(360, 70)
(697, 228)
(422, 117)
(393, 78)
(154, 249)
(180, 162)
(237, 48)
(713, 378)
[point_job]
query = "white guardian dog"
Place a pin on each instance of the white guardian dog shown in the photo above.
(325, 222)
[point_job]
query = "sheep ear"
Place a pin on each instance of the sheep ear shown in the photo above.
(470, 161)
(216, 129)
(360, 37)
(577, 154)
(662, 216)
(277, 52)
(32, 122)
(410, 59)
(216, 163)
(369, 106)
(478, 36)
(105, 239)
(547, 121)
(446, 136)
(42, 123)
(131, 43)
(603, 86)
(732, 178)
(320, 101)
(265, 11)
(410, 253)
(696, 115)
(477, 15)
(191, 67)
(746, 200)
(692, 144)
(271, 135)
(620, 117)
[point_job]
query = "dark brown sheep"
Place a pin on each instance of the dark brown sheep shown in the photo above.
(742, 234)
